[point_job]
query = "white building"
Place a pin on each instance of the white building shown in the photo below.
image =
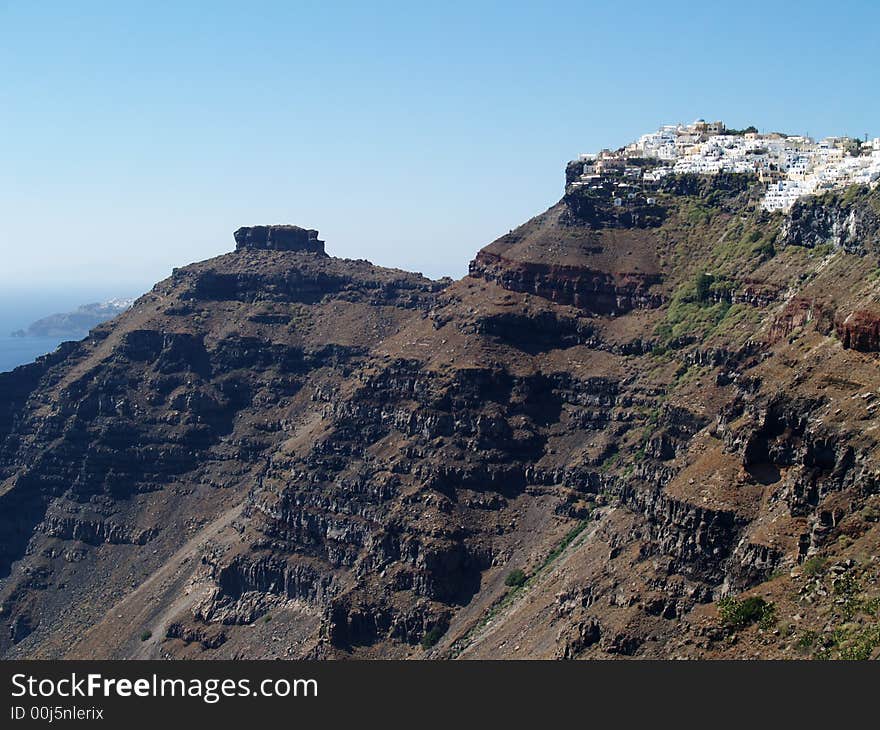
(792, 165)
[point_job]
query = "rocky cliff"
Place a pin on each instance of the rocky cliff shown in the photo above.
(278, 238)
(635, 429)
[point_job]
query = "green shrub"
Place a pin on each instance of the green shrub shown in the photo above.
(807, 640)
(432, 636)
(515, 578)
(857, 644)
(846, 585)
(739, 132)
(814, 566)
(722, 287)
(738, 613)
(768, 618)
(146, 635)
(704, 284)
(853, 193)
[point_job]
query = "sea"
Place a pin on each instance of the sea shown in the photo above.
(20, 309)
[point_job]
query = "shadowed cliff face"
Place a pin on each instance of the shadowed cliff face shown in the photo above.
(276, 453)
(278, 238)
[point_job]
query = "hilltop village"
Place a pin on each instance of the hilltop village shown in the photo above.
(792, 166)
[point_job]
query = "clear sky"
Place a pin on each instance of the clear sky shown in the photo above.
(136, 136)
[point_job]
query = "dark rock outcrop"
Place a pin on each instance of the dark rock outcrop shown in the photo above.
(853, 226)
(278, 238)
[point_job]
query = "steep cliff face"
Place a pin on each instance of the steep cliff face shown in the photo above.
(861, 330)
(278, 238)
(627, 412)
(844, 221)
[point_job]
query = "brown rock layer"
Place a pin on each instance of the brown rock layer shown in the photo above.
(598, 292)
(860, 331)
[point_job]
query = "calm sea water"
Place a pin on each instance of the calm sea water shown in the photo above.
(19, 310)
(15, 351)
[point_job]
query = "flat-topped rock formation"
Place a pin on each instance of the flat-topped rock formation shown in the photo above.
(278, 238)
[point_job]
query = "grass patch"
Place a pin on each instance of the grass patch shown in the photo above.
(684, 318)
(822, 250)
(566, 541)
(814, 566)
(609, 462)
(692, 309)
(738, 315)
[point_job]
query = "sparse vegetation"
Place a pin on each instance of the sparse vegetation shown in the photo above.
(738, 613)
(847, 589)
(697, 214)
(703, 286)
(814, 566)
(690, 317)
(609, 462)
(566, 541)
(849, 643)
(145, 635)
(765, 248)
(823, 250)
(860, 644)
(738, 315)
(432, 636)
(511, 595)
(849, 196)
(751, 129)
(807, 640)
(515, 578)
(852, 631)
(768, 617)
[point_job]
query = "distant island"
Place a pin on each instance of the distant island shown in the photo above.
(76, 323)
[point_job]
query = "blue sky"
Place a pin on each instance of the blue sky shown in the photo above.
(136, 136)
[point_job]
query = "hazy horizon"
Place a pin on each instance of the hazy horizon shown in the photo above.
(20, 308)
(408, 136)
